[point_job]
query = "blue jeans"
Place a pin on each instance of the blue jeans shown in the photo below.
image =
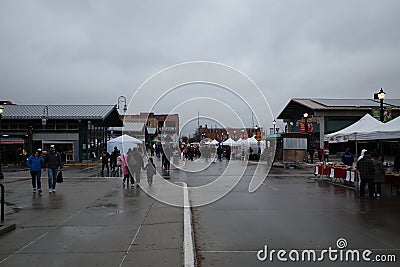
(52, 174)
(36, 179)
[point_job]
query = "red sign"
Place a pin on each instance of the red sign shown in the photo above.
(303, 127)
(11, 142)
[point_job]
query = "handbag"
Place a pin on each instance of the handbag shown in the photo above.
(59, 177)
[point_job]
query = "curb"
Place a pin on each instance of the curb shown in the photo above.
(5, 229)
(188, 243)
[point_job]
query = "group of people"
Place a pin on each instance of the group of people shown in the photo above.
(113, 161)
(372, 173)
(371, 170)
(128, 165)
(51, 161)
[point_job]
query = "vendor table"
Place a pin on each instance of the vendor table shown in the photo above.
(337, 172)
(393, 179)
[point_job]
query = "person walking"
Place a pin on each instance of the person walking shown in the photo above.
(150, 170)
(138, 166)
(366, 168)
(219, 153)
(35, 163)
(105, 157)
(119, 165)
(113, 160)
(379, 174)
(52, 162)
(348, 158)
(125, 170)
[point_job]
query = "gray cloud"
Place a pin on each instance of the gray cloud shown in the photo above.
(89, 52)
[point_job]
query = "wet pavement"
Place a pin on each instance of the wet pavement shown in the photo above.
(88, 222)
(93, 221)
(293, 211)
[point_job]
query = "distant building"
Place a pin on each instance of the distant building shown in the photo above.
(147, 126)
(78, 131)
(330, 115)
(221, 134)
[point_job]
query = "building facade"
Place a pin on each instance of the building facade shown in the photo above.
(78, 131)
(330, 115)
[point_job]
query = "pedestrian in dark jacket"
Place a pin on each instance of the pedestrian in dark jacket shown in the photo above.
(348, 158)
(52, 162)
(35, 163)
(379, 174)
(105, 157)
(366, 168)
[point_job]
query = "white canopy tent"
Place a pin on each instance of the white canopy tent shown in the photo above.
(214, 142)
(363, 129)
(252, 143)
(389, 130)
(123, 143)
(240, 141)
(229, 142)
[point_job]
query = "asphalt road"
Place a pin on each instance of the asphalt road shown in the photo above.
(293, 211)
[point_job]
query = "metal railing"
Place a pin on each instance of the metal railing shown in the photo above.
(2, 202)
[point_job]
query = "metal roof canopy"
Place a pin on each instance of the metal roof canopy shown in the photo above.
(297, 106)
(107, 114)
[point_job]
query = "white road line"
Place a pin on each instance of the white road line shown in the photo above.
(188, 245)
(130, 245)
(41, 236)
(24, 247)
(134, 238)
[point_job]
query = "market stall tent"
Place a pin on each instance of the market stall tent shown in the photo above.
(362, 129)
(123, 143)
(385, 131)
(229, 142)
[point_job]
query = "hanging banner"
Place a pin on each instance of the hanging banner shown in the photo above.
(387, 114)
(302, 125)
(339, 139)
(376, 113)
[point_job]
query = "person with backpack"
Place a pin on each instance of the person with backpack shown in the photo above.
(52, 162)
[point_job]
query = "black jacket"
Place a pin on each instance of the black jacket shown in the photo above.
(366, 168)
(52, 160)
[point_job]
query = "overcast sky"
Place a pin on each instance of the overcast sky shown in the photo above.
(91, 52)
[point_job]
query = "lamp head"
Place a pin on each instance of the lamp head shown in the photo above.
(305, 115)
(381, 94)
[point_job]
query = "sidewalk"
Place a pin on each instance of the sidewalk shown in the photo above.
(88, 222)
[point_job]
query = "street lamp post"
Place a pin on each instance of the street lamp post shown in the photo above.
(274, 123)
(381, 97)
(1, 152)
(45, 116)
(122, 99)
(305, 115)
